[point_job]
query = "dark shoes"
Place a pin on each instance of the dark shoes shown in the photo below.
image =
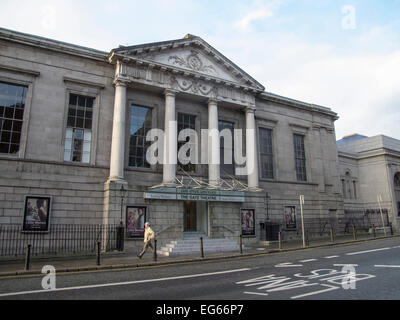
(139, 256)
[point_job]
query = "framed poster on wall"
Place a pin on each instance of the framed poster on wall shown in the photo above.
(290, 218)
(135, 220)
(36, 214)
(248, 222)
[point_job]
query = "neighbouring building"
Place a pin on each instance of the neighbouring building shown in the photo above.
(370, 178)
(73, 126)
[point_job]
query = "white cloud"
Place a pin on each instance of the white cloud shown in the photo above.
(244, 23)
(363, 88)
(260, 11)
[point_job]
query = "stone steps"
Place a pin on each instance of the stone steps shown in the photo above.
(191, 245)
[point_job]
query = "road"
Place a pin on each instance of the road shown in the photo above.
(368, 270)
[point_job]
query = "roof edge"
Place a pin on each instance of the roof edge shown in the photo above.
(51, 44)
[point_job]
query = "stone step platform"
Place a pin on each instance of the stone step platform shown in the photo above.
(191, 245)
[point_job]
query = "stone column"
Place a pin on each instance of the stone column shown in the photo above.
(213, 143)
(251, 148)
(118, 133)
(170, 139)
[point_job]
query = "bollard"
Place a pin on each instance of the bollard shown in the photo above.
(201, 247)
(354, 233)
(391, 228)
(155, 250)
(241, 244)
(280, 240)
(332, 236)
(28, 257)
(307, 239)
(373, 231)
(98, 252)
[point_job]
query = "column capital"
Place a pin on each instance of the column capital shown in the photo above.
(122, 82)
(212, 100)
(250, 109)
(170, 92)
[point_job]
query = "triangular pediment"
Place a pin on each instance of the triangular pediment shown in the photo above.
(192, 55)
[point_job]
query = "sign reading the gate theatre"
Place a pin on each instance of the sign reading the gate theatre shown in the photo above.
(194, 194)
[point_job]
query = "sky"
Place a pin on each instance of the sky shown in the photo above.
(341, 54)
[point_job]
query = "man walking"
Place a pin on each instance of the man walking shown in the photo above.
(148, 236)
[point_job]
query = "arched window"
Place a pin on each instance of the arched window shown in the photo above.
(397, 180)
(348, 185)
(397, 191)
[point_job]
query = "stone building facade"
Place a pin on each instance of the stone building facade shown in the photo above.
(370, 177)
(74, 122)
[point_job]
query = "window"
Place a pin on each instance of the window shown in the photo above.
(140, 124)
(398, 209)
(226, 168)
(78, 135)
(344, 188)
(300, 157)
(397, 180)
(186, 121)
(355, 189)
(12, 104)
(266, 155)
(348, 183)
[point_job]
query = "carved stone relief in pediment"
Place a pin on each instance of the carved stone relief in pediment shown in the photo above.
(191, 60)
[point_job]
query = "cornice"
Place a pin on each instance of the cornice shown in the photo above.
(369, 153)
(53, 45)
(267, 96)
(20, 70)
(84, 82)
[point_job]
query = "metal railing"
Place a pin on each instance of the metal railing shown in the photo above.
(60, 239)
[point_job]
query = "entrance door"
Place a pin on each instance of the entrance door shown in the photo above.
(189, 216)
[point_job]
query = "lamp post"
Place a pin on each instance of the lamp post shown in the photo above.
(123, 194)
(302, 219)
(120, 228)
(267, 197)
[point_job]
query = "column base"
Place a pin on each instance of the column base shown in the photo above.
(112, 201)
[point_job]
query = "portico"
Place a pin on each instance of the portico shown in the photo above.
(193, 68)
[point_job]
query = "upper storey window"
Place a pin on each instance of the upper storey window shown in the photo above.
(226, 149)
(266, 154)
(186, 121)
(12, 105)
(140, 124)
(78, 134)
(300, 157)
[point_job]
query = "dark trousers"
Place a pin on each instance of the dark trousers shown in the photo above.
(145, 246)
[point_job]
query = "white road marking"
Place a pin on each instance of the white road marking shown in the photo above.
(386, 266)
(256, 293)
(308, 260)
(366, 251)
(331, 257)
(287, 264)
(125, 283)
(330, 288)
(396, 247)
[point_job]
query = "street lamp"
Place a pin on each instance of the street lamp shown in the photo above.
(120, 228)
(267, 197)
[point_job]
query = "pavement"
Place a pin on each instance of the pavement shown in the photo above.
(121, 260)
